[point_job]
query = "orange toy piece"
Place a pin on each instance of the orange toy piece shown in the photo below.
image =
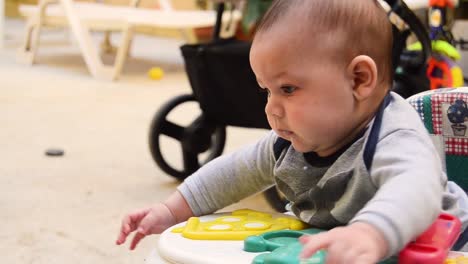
(441, 3)
(443, 72)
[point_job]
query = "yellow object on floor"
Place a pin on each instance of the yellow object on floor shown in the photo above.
(155, 73)
(237, 226)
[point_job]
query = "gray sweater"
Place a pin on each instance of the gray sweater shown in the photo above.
(391, 177)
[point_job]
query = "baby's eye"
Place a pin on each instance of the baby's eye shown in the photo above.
(288, 89)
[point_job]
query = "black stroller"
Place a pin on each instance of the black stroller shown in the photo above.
(228, 95)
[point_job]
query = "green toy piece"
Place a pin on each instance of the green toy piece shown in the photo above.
(439, 46)
(283, 247)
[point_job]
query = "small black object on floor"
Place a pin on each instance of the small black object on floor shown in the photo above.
(54, 152)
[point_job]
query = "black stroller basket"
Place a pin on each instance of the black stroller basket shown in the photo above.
(223, 83)
(228, 95)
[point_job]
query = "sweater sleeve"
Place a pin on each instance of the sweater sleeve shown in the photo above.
(410, 181)
(231, 177)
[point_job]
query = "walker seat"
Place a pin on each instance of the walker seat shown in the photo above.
(445, 115)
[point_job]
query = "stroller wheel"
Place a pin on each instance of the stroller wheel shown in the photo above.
(200, 136)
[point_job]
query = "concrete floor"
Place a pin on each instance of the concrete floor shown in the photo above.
(68, 209)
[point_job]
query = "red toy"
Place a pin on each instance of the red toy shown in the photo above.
(441, 3)
(433, 245)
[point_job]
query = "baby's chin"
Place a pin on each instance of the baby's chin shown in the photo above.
(296, 142)
(302, 148)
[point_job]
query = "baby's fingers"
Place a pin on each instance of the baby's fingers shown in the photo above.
(124, 231)
(136, 239)
(313, 243)
(126, 228)
(129, 224)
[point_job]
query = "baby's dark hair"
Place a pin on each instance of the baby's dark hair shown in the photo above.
(354, 27)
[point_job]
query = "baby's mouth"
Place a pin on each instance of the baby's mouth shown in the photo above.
(284, 133)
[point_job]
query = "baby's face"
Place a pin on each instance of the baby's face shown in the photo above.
(310, 99)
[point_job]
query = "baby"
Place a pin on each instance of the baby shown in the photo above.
(350, 155)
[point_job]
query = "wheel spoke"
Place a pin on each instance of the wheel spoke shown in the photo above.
(172, 130)
(190, 161)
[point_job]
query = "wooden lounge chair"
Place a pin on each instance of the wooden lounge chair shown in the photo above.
(84, 17)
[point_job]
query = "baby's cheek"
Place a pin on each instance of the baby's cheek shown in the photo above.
(271, 122)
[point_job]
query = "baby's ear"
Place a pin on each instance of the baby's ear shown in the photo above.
(363, 72)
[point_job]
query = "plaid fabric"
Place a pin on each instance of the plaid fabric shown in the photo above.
(456, 146)
(432, 108)
(417, 103)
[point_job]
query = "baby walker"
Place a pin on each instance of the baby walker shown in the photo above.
(247, 236)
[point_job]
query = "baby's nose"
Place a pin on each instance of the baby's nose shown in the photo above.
(274, 109)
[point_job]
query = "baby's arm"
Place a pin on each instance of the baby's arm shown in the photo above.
(231, 177)
(217, 184)
(410, 183)
(155, 219)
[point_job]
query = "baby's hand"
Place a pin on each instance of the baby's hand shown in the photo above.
(357, 243)
(145, 222)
